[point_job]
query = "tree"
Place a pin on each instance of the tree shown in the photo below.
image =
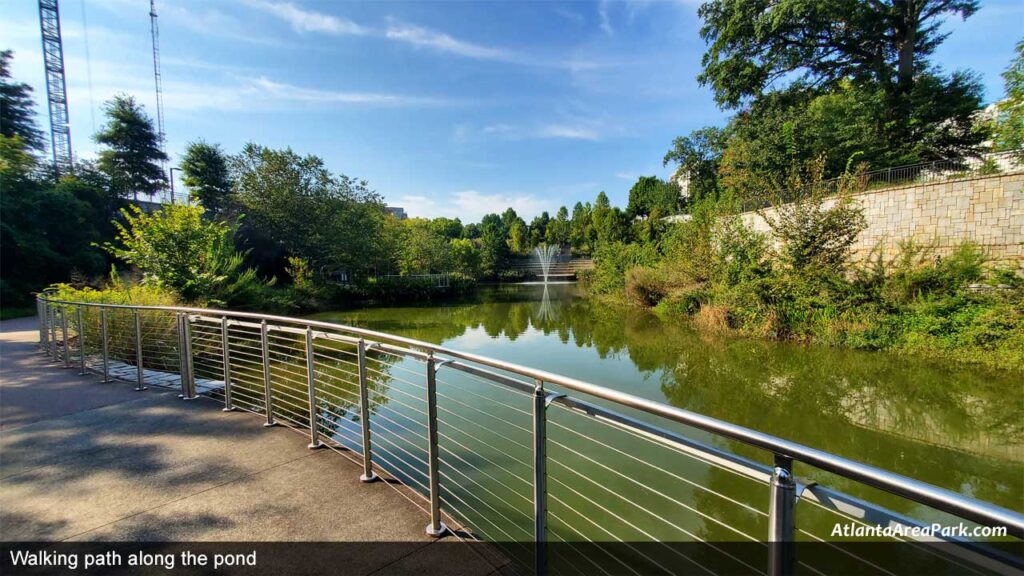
(424, 251)
(465, 257)
(447, 228)
(204, 170)
(755, 43)
(1009, 126)
(697, 157)
(493, 246)
(518, 237)
(17, 109)
(557, 232)
(580, 227)
(652, 194)
(132, 155)
(880, 47)
(294, 206)
(48, 229)
(539, 228)
(176, 249)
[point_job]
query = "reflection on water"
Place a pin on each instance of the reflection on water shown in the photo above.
(956, 427)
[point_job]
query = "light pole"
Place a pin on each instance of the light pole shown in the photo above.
(171, 178)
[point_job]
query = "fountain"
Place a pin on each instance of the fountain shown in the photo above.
(545, 252)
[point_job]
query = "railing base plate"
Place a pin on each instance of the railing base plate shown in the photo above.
(441, 530)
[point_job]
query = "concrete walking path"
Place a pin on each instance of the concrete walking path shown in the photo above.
(83, 460)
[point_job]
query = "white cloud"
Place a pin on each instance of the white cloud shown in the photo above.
(279, 91)
(471, 205)
(302, 20)
(626, 175)
(581, 131)
(308, 20)
(568, 132)
(606, 23)
(422, 37)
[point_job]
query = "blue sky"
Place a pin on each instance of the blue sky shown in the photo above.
(446, 108)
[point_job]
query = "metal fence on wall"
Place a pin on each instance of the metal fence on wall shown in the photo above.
(535, 462)
(911, 174)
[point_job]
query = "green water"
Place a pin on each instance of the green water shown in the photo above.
(956, 427)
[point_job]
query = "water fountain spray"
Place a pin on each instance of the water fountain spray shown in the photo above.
(545, 253)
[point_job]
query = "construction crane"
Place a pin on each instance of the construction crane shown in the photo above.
(56, 86)
(158, 81)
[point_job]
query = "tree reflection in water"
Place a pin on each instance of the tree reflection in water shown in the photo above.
(953, 426)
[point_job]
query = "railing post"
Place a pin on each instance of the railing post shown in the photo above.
(81, 341)
(44, 327)
(314, 432)
(106, 352)
(64, 335)
(436, 528)
(781, 525)
(42, 323)
(226, 357)
(368, 474)
(190, 380)
(182, 365)
(265, 345)
(141, 384)
(53, 331)
(540, 478)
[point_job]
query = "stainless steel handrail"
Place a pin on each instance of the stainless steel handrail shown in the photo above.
(785, 452)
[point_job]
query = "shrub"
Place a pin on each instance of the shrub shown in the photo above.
(178, 250)
(612, 261)
(815, 232)
(645, 286)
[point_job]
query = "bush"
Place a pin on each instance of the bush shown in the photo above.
(178, 250)
(159, 328)
(613, 259)
(645, 286)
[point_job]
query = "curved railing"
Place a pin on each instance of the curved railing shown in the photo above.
(514, 455)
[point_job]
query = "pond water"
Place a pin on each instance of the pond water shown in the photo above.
(953, 426)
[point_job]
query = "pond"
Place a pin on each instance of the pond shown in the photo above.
(958, 427)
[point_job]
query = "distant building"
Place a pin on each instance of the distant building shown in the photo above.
(397, 212)
(683, 180)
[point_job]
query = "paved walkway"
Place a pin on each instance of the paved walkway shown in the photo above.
(82, 460)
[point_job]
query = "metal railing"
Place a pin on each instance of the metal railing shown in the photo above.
(922, 173)
(519, 456)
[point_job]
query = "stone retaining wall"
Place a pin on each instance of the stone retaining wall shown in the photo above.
(986, 210)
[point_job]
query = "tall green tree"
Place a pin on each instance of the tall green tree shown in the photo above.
(651, 194)
(493, 245)
(697, 157)
(557, 232)
(131, 155)
(17, 109)
(580, 227)
(518, 237)
(881, 47)
(49, 229)
(294, 206)
(424, 251)
(204, 170)
(754, 44)
(447, 228)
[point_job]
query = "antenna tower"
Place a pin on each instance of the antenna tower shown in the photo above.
(56, 86)
(158, 82)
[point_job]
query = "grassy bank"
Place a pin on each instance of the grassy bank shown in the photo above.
(798, 284)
